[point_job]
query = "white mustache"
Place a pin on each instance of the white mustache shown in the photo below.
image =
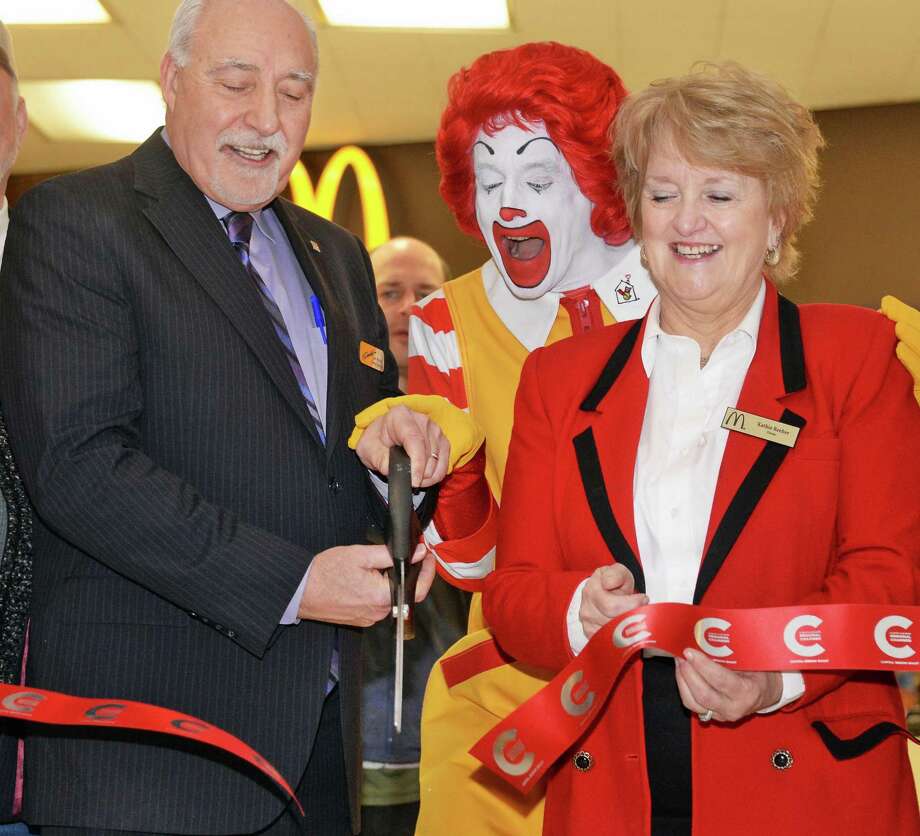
(249, 139)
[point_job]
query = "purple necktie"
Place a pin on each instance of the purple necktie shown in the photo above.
(239, 228)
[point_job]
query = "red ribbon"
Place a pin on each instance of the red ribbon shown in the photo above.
(522, 747)
(38, 706)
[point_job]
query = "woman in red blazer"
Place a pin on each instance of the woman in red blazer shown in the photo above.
(622, 487)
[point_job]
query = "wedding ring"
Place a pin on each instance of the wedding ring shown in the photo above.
(706, 716)
(434, 455)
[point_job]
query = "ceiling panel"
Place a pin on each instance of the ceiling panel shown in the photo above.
(866, 53)
(666, 37)
(381, 87)
(779, 39)
(99, 51)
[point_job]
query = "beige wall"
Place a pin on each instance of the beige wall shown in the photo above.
(865, 238)
(863, 242)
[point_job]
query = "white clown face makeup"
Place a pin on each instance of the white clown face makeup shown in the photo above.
(533, 217)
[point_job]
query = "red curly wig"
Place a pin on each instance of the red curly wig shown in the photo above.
(569, 90)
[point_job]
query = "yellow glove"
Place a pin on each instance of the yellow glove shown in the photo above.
(463, 433)
(907, 329)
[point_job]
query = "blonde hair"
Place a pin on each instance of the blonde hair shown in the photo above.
(724, 116)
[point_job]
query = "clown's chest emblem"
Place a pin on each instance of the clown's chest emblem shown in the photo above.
(625, 291)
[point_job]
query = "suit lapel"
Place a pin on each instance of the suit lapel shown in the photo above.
(337, 326)
(184, 219)
(749, 464)
(615, 412)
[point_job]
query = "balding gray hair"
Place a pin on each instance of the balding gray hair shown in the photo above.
(186, 19)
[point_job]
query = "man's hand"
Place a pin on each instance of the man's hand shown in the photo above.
(608, 593)
(421, 437)
(347, 585)
(706, 685)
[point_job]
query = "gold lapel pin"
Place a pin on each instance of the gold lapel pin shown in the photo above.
(315, 246)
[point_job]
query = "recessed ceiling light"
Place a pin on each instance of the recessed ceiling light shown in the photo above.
(94, 110)
(417, 14)
(52, 11)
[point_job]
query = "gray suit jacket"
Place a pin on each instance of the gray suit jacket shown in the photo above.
(180, 490)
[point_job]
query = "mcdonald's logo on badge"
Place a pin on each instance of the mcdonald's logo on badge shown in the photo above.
(760, 427)
(885, 636)
(795, 640)
(512, 760)
(733, 420)
(576, 700)
(321, 200)
(709, 640)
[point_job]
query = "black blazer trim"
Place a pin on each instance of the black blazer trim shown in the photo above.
(755, 484)
(742, 507)
(612, 369)
(844, 749)
(592, 478)
(791, 350)
(753, 487)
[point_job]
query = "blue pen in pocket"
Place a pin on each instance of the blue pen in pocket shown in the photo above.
(318, 319)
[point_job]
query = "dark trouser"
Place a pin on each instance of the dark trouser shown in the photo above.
(389, 820)
(322, 791)
(667, 748)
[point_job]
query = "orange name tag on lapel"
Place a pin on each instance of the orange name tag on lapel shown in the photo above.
(371, 356)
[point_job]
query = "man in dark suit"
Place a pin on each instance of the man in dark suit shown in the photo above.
(182, 357)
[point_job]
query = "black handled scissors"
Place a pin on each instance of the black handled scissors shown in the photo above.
(402, 536)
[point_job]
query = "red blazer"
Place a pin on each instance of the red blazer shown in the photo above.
(834, 519)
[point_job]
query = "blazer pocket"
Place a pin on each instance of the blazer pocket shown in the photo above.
(817, 449)
(849, 737)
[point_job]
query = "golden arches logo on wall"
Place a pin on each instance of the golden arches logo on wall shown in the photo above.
(321, 200)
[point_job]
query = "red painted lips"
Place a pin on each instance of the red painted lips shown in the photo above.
(525, 252)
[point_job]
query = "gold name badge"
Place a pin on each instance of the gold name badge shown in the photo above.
(765, 428)
(371, 356)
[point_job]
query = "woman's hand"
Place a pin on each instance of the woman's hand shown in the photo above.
(608, 593)
(730, 695)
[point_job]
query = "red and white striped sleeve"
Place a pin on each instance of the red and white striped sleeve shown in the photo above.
(435, 368)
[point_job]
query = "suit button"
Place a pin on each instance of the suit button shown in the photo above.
(334, 485)
(781, 759)
(193, 614)
(231, 634)
(583, 761)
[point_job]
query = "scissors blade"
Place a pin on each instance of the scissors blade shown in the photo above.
(401, 611)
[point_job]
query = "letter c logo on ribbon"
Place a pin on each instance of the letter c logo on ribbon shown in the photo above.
(699, 633)
(576, 700)
(790, 636)
(520, 764)
(904, 651)
(623, 639)
(189, 726)
(104, 713)
(22, 702)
